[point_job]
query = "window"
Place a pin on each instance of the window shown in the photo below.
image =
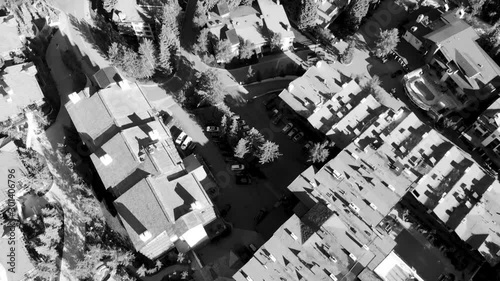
(416, 193)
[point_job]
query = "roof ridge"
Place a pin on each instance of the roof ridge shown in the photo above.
(157, 198)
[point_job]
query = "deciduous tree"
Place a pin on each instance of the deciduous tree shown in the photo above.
(387, 42)
(275, 41)
(223, 51)
(307, 13)
(109, 5)
(268, 152)
(319, 152)
(246, 49)
(348, 54)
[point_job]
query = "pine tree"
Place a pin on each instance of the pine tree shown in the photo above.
(357, 12)
(169, 40)
(147, 52)
(235, 126)
(241, 148)
(268, 152)
(255, 140)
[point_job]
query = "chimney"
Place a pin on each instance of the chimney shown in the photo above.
(196, 206)
(154, 135)
(278, 2)
(290, 87)
(106, 159)
(74, 98)
(145, 236)
(124, 85)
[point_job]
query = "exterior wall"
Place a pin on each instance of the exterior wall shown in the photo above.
(414, 41)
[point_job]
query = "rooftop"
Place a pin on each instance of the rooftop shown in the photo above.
(141, 211)
(457, 42)
(19, 88)
(108, 110)
(312, 89)
(275, 18)
(11, 39)
(250, 27)
(425, 20)
(314, 247)
(168, 210)
(393, 268)
(131, 10)
(481, 227)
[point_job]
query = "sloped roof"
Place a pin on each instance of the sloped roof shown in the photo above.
(457, 30)
(10, 35)
(140, 210)
(275, 18)
(21, 80)
(106, 76)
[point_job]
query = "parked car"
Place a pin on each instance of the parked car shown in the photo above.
(180, 138)
(243, 179)
(237, 167)
(308, 145)
(187, 142)
(292, 132)
(213, 129)
(298, 136)
(287, 128)
(277, 118)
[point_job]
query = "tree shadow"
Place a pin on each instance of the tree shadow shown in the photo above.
(100, 36)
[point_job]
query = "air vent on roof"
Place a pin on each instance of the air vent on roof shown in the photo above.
(106, 159)
(333, 259)
(373, 206)
(197, 205)
(336, 174)
(124, 85)
(74, 98)
(145, 236)
(333, 277)
(154, 135)
(353, 257)
(353, 207)
(414, 28)
(391, 188)
(291, 234)
(313, 183)
(366, 248)
(246, 276)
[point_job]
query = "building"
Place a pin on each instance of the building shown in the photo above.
(249, 24)
(426, 20)
(160, 199)
(12, 41)
(483, 135)
(20, 92)
(22, 262)
(135, 17)
(328, 10)
(458, 74)
(340, 110)
(340, 231)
